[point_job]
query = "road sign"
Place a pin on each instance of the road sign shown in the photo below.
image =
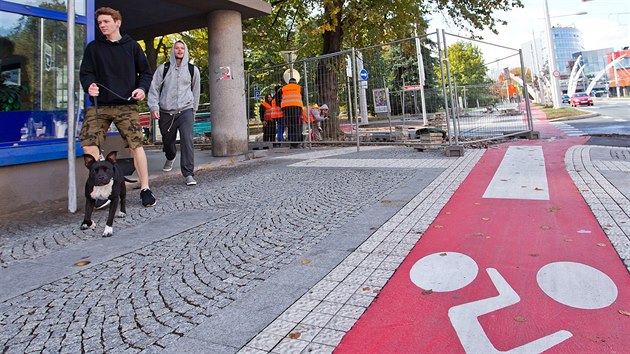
(363, 74)
(556, 73)
(412, 88)
(287, 75)
(256, 93)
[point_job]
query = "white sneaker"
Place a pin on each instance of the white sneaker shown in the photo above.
(168, 165)
(190, 181)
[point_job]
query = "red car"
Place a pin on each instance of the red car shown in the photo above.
(581, 98)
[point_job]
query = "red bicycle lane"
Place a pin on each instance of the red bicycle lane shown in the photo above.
(492, 274)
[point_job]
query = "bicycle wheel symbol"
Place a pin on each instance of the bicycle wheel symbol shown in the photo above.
(569, 283)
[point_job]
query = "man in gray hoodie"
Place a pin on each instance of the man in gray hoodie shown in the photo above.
(173, 101)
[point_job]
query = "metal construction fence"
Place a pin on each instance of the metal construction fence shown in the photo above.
(397, 92)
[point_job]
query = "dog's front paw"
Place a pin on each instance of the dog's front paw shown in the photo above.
(109, 231)
(88, 225)
(121, 214)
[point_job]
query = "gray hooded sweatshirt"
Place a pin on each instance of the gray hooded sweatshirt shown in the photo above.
(176, 95)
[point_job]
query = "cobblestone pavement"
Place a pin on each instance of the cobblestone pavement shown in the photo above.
(266, 214)
(203, 250)
(592, 169)
(321, 317)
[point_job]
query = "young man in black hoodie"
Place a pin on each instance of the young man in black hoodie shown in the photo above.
(116, 74)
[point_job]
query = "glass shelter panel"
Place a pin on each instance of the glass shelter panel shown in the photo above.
(34, 72)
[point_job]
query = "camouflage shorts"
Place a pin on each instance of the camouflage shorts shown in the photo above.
(125, 117)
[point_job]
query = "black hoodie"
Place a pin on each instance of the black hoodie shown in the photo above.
(119, 66)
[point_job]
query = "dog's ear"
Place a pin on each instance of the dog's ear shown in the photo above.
(88, 160)
(111, 157)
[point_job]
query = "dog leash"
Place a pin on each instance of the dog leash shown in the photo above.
(114, 93)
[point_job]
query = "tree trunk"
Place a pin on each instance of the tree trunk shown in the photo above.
(328, 71)
(151, 53)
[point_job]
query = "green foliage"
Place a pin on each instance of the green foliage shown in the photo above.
(10, 97)
(466, 64)
(314, 27)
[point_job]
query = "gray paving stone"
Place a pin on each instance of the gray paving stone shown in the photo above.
(203, 261)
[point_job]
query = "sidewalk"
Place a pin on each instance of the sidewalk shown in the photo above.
(286, 252)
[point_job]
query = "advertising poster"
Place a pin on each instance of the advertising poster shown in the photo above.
(380, 100)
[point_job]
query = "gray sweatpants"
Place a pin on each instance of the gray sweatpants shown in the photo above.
(169, 124)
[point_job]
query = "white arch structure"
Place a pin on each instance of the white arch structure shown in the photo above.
(574, 77)
(601, 73)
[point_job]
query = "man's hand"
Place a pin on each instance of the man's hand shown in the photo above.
(137, 94)
(155, 115)
(93, 90)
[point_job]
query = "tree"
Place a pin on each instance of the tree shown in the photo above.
(334, 25)
(467, 66)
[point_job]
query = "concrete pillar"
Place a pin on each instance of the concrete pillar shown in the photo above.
(227, 95)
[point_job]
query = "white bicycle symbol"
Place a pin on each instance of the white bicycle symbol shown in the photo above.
(573, 284)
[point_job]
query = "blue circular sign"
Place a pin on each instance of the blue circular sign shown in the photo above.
(363, 74)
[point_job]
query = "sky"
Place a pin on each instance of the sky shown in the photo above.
(606, 24)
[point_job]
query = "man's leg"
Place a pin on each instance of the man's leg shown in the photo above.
(298, 122)
(185, 123)
(280, 132)
(293, 125)
(288, 121)
(272, 129)
(140, 162)
(265, 130)
(93, 130)
(128, 124)
(169, 135)
(92, 150)
(92, 135)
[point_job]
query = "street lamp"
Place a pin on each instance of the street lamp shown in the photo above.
(553, 70)
(290, 56)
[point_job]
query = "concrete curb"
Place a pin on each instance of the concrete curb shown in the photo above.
(583, 116)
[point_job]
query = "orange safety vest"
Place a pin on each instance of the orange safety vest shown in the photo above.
(291, 96)
(276, 112)
(310, 118)
(268, 109)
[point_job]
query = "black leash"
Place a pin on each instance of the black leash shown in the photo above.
(114, 93)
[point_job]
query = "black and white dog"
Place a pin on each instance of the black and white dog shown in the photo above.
(106, 181)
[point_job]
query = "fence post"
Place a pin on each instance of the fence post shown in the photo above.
(421, 76)
(356, 91)
(447, 115)
(530, 123)
(247, 104)
(450, 89)
(308, 121)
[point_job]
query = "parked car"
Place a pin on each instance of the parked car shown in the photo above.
(566, 99)
(581, 98)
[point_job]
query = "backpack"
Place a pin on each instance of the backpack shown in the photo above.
(167, 65)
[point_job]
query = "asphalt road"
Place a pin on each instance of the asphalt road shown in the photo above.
(613, 119)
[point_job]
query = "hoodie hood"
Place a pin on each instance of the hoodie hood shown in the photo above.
(177, 90)
(185, 58)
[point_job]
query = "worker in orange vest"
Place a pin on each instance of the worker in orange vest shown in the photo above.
(290, 100)
(277, 115)
(315, 115)
(269, 124)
